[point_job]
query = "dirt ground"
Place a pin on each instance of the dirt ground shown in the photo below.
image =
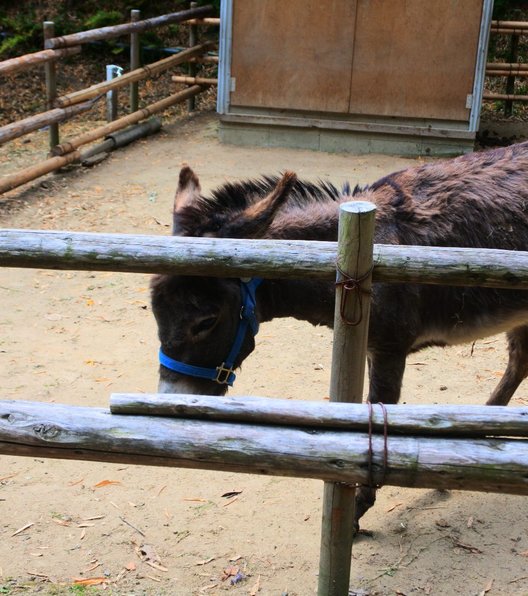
(76, 337)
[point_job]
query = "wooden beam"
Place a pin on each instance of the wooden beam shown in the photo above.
(59, 431)
(444, 420)
(134, 75)
(194, 80)
(286, 259)
(124, 121)
(27, 125)
(27, 61)
(114, 31)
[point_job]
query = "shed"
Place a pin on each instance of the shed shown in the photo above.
(401, 76)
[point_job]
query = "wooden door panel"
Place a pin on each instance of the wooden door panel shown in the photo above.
(415, 58)
(294, 54)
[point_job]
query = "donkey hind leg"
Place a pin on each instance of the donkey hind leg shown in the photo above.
(517, 368)
(385, 377)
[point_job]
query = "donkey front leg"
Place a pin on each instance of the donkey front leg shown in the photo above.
(385, 377)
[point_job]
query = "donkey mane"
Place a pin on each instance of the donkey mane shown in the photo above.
(208, 214)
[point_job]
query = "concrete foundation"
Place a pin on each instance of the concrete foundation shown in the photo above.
(340, 141)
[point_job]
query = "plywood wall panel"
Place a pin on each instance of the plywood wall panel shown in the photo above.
(415, 58)
(294, 54)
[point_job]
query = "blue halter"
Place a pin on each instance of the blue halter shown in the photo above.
(223, 374)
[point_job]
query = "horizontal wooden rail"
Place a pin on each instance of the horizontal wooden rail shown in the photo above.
(207, 21)
(509, 25)
(507, 73)
(506, 66)
(68, 152)
(133, 76)
(114, 31)
(194, 80)
(81, 433)
(298, 259)
(14, 65)
(27, 125)
(504, 97)
(127, 120)
(445, 420)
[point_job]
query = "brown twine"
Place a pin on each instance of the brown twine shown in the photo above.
(385, 445)
(348, 285)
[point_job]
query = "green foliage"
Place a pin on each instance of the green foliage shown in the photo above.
(103, 18)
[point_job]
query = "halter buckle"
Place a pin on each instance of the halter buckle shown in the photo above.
(223, 374)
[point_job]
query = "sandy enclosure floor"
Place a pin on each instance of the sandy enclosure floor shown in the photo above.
(76, 337)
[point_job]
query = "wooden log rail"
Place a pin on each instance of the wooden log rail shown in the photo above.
(69, 152)
(299, 259)
(133, 76)
(59, 431)
(27, 125)
(14, 65)
(427, 420)
(111, 32)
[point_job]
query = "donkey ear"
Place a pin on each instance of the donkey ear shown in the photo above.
(187, 193)
(254, 221)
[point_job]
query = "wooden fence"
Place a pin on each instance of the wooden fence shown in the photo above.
(508, 70)
(65, 107)
(468, 448)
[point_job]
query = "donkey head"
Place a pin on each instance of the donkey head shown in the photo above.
(206, 325)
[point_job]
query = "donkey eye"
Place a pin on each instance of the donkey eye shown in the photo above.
(204, 325)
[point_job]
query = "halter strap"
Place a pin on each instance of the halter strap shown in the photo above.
(223, 374)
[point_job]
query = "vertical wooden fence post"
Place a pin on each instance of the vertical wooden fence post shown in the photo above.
(135, 15)
(354, 281)
(51, 84)
(193, 37)
(510, 81)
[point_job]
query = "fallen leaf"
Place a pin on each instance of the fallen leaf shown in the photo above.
(60, 522)
(230, 571)
(205, 561)
(22, 529)
(230, 501)
(487, 588)
(233, 493)
(106, 483)
(94, 566)
(75, 482)
(472, 549)
(156, 579)
(36, 574)
(393, 507)
(2, 478)
(156, 566)
(255, 588)
(90, 581)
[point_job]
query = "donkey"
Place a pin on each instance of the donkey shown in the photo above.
(478, 200)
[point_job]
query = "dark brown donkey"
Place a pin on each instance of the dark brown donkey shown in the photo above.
(479, 200)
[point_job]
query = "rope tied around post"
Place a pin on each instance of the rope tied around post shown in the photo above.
(385, 445)
(351, 285)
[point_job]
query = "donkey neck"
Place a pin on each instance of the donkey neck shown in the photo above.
(306, 300)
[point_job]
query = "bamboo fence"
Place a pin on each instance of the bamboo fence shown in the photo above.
(511, 70)
(66, 107)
